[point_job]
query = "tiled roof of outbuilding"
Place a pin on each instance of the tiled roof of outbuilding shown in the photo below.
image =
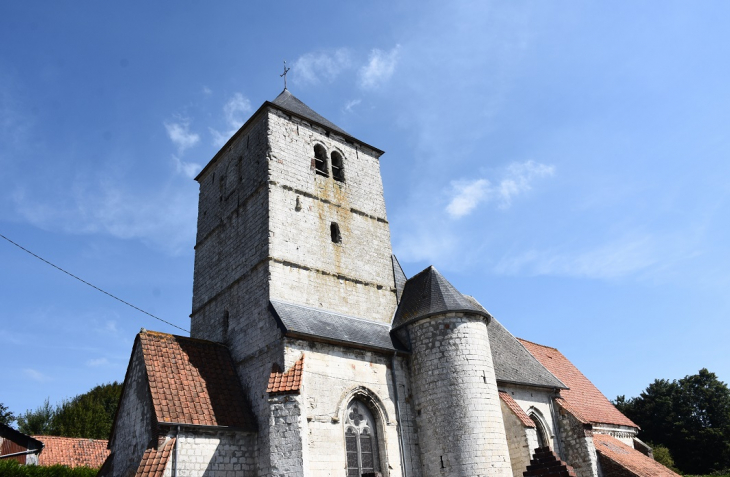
(516, 409)
(629, 458)
(513, 364)
(429, 293)
(286, 382)
(193, 382)
(155, 460)
(582, 395)
(324, 325)
(291, 103)
(72, 451)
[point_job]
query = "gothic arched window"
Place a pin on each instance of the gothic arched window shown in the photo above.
(320, 160)
(361, 441)
(338, 171)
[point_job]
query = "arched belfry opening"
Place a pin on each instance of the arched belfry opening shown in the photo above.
(338, 170)
(320, 160)
(361, 440)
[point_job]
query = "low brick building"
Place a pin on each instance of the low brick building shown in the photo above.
(312, 354)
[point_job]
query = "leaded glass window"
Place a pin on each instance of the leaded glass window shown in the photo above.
(361, 441)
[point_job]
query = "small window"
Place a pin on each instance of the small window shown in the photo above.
(335, 233)
(338, 171)
(320, 160)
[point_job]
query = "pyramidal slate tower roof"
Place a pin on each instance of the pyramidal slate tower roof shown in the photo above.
(292, 104)
(429, 293)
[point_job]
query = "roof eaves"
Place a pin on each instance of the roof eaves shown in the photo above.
(470, 311)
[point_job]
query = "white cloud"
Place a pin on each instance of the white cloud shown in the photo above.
(188, 169)
(380, 67)
(312, 68)
(36, 375)
(518, 179)
(235, 113)
(95, 363)
(467, 195)
(615, 259)
(351, 104)
(163, 217)
(207, 91)
(180, 135)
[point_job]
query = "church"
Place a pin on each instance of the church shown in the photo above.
(313, 354)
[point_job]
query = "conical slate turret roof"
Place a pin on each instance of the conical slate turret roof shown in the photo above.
(291, 103)
(429, 293)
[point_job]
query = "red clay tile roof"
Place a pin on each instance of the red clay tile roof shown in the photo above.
(290, 381)
(571, 409)
(72, 451)
(629, 458)
(193, 382)
(154, 460)
(583, 396)
(516, 409)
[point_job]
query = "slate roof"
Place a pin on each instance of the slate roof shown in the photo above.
(513, 364)
(286, 382)
(516, 409)
(323, 325)
(429, 293)
(193, 382)
(582, 395)
(629, 458)
(72, 451)
(292, 104)
(155, 460)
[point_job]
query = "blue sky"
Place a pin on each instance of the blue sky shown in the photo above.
(565, 163)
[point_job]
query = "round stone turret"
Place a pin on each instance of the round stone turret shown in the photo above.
(458, 414)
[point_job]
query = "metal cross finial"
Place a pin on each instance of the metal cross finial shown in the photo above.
(286, 70)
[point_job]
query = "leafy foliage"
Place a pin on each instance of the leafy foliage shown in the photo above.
(38, 421)
(88, 415)
(691, 417)
(663, 456)
(10, 468)
(6, 417)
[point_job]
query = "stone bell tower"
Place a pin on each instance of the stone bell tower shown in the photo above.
(290, 209)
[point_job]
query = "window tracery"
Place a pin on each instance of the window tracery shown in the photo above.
(361, 443)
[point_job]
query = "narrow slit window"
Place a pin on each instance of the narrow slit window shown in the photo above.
(335, 233)
(320, 160)
(338, 171)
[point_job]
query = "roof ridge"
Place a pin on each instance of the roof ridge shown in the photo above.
(187, 338)
(537, 344)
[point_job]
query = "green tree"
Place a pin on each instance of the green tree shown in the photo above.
(691, 417)
(6, 417)
(90, 414)
(38, 421)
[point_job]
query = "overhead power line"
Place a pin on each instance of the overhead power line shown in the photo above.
(92, 285)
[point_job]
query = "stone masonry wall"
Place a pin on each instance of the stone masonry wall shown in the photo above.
(521, 440)
(354, 277)
(133, 427)
(460, 426)
(332, 377)
(215, 454)
(577, 444)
